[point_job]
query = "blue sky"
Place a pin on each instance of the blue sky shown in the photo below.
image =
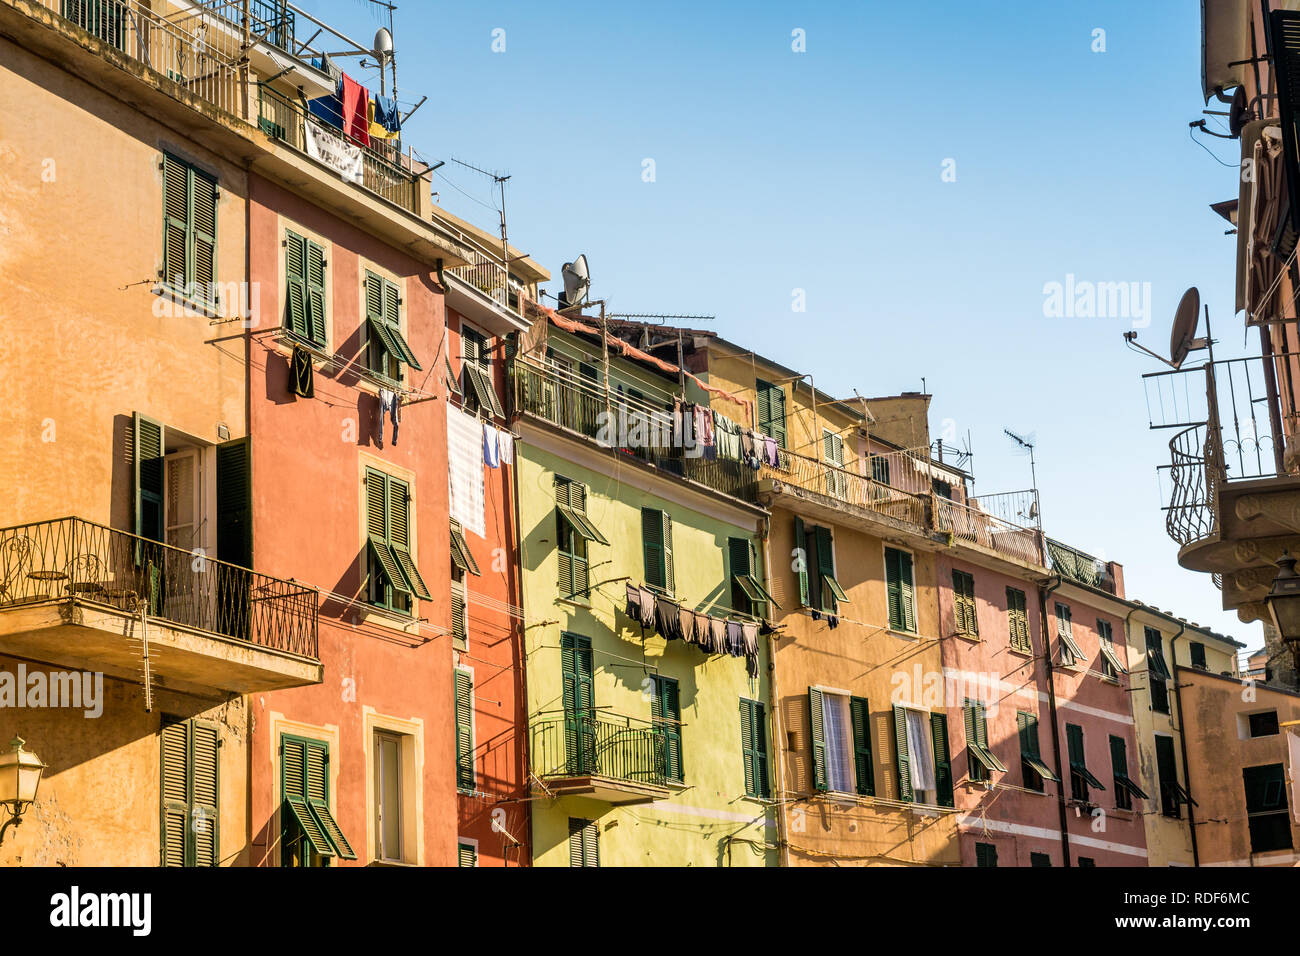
(821, 171)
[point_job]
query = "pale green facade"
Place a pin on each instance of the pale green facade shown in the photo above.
(707, 819)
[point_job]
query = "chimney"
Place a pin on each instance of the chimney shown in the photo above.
(1116, 572)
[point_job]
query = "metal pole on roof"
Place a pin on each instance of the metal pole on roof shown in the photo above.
(681, 363)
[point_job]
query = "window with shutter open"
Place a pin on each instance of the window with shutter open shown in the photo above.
(748, 596)
(386, 347)
(310, 833)
(1071, 653)
(666, 713)
(574, 531)
(1018, 621)
(394, 577)
(963, 603)
(1031, 758)
(1125, 788)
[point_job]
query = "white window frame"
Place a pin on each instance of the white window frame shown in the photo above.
(382, 853)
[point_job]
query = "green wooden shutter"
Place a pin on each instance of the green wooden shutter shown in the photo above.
(175, 793)
(652, 544)
(1074, 742)
(579, 717)
(176, 222)
(670, 574)
(825, 568)
(863, 765)
(817, 726)
(667, 713)
(377, 355)
(893, 590)
(235, 503)
(147, 471)
(771, 411)
(738, 564)
(317, 309)
(204, 235)
(986, 854)
(801, 560)
(295, 270)
(904, 762)
(1118, 756)
(465, 777)
(399, 536)
(206, 796)
(942, 762)
(906, 592)
(458, 623)
(466, 855)
(584, 843)
(753, 742)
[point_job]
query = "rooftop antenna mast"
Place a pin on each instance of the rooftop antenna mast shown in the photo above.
(1028, 443)
(500, 181)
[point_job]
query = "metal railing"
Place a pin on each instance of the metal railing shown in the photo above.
(849, 487)
(1226, 432)
(382, 172)
(270, 20)
(196, 48)
(637, 428)
(486, 271)
(595, 743)
(1080, 566)
(972, 525)
(74, 559)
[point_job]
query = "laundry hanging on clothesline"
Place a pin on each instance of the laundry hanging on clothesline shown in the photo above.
(711, 634)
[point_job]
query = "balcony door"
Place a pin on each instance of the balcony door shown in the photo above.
(579, 707)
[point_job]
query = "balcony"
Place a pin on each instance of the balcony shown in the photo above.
(1233, 507)
(901, 499)
(80, 595)
(580, 406)
(1081, 567)
(381, 171)
(603, 756)
(483, 290)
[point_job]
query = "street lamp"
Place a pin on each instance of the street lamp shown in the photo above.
(1284, 602)
(20, 775)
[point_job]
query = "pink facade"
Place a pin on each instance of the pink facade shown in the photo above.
(384, 710)
(1016, 812)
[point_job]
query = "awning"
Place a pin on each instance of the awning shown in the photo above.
(1225, 38)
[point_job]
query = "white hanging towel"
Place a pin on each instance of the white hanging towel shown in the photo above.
(491, 451)
(507, 444)
(465, 469)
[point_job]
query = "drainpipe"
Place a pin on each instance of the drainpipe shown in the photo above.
(518, 583)
(1182, 740)
(1051, 710)
(778, 741)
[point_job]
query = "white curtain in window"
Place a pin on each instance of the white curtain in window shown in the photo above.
(835, 721)
(920, 753)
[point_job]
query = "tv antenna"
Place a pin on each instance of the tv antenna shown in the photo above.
(500, 181)
(1028, 442)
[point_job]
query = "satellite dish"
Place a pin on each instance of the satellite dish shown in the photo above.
(1238, 113)
(577, 280)
(1183, 338)
(384, 43)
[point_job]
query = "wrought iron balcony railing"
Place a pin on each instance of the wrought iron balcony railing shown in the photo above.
(616, 420)
(1228, 425)
(73, 559)
(595, 743)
